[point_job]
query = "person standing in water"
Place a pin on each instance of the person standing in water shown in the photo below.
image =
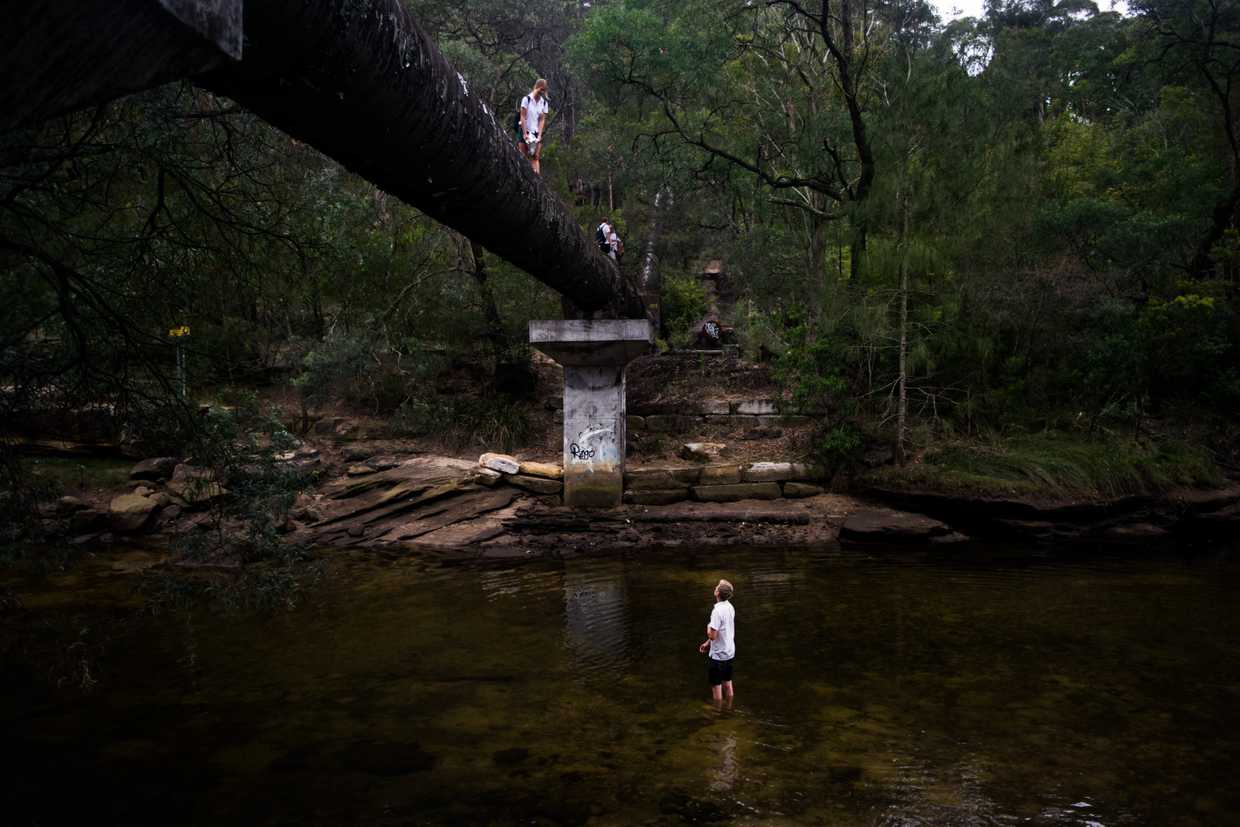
(720, 642)
(533, 118)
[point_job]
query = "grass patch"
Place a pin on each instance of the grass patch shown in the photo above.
(1055, 466)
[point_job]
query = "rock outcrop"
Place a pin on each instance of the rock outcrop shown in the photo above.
(131, 513)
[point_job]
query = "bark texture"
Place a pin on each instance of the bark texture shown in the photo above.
(61, 55)
(360, 81)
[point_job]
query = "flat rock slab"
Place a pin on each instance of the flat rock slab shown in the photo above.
(418, 519)
(775, 472)
(661, 479)
(463, 508)
(886, 525)
(730, 513)
(665, 496)
(797, 490)
(535, 485)
(720, 475)
(757, 406)
(1135, 533)
(740, 491)
(429, 470)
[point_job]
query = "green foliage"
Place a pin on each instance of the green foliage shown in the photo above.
(814, 372)
(1192, 347)
(493, 423)
(1057, 465)
(1046, 178)
(684, 304)
(839, 447)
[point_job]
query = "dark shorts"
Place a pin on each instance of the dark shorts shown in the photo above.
(719, 671)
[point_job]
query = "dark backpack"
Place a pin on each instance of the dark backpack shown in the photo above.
(601, 239)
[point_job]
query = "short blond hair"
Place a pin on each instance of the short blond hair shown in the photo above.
(725, 589)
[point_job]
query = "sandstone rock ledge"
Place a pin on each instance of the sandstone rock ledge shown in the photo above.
(446, 507)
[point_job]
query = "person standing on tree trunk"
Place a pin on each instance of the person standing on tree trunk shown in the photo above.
(721, 643)
(533, 119)
(615, 245)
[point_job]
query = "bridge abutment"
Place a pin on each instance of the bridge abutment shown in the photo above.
(594, 354)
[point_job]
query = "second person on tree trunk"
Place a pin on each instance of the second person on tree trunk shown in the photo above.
(533, 119)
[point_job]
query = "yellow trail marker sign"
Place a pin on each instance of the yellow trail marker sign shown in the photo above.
(178, 332)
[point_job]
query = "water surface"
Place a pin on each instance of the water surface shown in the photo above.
(967, 687)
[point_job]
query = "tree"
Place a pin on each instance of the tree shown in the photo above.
(778, 90)
(1201, 39)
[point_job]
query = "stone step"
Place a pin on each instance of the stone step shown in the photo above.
(664, 478)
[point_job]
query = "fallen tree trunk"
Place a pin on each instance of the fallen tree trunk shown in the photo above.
(364, 84)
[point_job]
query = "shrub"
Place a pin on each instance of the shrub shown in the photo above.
(684, 304)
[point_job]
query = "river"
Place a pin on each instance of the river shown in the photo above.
(884, 687)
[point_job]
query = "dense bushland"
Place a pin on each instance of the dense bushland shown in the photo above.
(982, 230)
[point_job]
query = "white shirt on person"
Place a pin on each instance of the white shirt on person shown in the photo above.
(723, 621)
(534, 107)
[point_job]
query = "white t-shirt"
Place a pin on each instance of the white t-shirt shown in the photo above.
(533, 108)
(723, 621)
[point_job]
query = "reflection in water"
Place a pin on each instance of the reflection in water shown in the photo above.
(596, 619)
(723, 778)
(878, 688)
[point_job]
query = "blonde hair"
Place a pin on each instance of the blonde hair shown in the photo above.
(541, 83)
(725, 590)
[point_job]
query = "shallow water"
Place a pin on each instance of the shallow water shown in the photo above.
(969, 687)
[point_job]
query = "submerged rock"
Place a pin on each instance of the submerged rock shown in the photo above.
(886, 525)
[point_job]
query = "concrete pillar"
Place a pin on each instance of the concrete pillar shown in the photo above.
(594, 354)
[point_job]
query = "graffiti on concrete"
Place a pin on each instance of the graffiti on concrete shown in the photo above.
(580, 450)
(579, 453)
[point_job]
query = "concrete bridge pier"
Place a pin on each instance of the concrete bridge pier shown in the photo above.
(594, 354)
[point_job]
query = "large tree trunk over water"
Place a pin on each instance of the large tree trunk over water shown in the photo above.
(362, 83)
